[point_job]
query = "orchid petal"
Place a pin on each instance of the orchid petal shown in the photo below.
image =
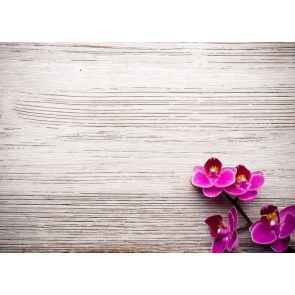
(196, 168)
(214, 234)
(256, 180)
(226, 178)
(287, 226)
(257, 172)
(281, 245)
(219, 245)
(233, 242)
(251, 227)
(235, 216)
(232, 217)
(290, 209)
(212, 192)
(200, 179)
(214, 221)
(262, 235)
(248, 196)
(233, 169)
(234, 189)
(230, 221)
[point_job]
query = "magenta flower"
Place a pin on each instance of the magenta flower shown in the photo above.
(274, 227)
(246, 184)
(224, 236)
(212, 177)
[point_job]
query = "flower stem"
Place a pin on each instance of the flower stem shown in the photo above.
(238, 207)
(244, 226)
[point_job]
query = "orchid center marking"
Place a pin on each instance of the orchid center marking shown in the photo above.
(213, 169)
(241, 177)
(271, 216)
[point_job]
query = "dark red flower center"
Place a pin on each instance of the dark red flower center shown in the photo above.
(214, 169)
(270, 216)
(213, 166)
(241, 177)
(218, 228)
(243, 174)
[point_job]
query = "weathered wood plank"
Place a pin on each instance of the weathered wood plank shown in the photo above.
(98, 141)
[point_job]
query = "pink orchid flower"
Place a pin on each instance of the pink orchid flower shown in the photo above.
(246, 184)
(212, 177)
(274, 227)
(224, 235)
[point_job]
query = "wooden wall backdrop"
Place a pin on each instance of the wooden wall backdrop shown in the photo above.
(98, 141)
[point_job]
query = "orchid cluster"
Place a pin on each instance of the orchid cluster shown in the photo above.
(274, 227)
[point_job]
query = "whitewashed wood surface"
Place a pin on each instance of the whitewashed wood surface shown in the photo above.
(98, 141)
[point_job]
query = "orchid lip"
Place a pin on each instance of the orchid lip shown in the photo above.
(243, 183)
(222, 231)
(213, 173)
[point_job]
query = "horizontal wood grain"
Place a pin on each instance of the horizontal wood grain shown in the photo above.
(98, 141)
